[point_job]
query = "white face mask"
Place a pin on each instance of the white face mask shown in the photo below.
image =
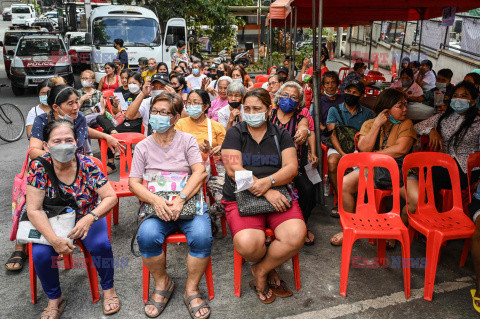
(64, 116)
(330, 95)
(133, 88)
(237, 80)
(87, 84)
(155, 93)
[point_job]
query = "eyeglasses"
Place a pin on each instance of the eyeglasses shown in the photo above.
(157, 112)
(402, 105)
(273, 83)
(293, 97)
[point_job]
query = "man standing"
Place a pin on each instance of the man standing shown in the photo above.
(195, 79)
(122, 54)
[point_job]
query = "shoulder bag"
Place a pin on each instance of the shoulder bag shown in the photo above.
(345, 135)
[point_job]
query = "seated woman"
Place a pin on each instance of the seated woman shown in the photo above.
(273, 85)
(210, 135)
(240, 75)
(168, 152)
(407, 84)
(232, 113)
(212, 88)
(179, 84)
(221, 100)
(42, 89)
(162, 67)
(290, 100)
(95, 197)
(257, 137)
(111, 81)
(124, 76)
(389, 133)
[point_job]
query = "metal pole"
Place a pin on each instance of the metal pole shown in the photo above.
(350, 49)
(420, 43)
(316, 91)
(294, 44)
(370, 49)
(292, 63)
(395, 32)
(445, 42)
(403, 44)
(285, 37)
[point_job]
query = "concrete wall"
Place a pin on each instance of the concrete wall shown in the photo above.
(386, 53)
(7, 3)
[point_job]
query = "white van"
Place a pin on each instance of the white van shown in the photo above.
(139, 28)
(21, 13)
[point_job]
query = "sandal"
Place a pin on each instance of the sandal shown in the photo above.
(17, 257)
(194, 310)
(54, 312)
(111, 301)
(391, 244)
(334, 212)
(310, 242)
(281, 290)
(160, 305)
(337, 239)
(477, 308)
(264, 292)
(268, 240)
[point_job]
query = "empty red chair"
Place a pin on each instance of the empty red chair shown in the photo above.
(366, 222)
(177, 238)
(121, 187)
(261, 78)
(437, 227)
(258, 85)
(238, 261)
(91, 272)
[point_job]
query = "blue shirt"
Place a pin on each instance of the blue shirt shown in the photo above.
(80, 124)
(356, 120)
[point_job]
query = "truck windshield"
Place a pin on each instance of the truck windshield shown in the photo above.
(37, 47)
(133, 31)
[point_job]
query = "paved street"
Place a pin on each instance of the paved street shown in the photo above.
(372, 292)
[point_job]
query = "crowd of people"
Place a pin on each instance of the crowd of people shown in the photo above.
(198, 116)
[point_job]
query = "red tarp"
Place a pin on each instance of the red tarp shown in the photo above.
(354, 12)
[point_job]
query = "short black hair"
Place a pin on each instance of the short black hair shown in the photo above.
(446, 73)
(416, 64)
(203, 95)
(137, 76)
(44, 84)
(358, 65)
(47, 130)
(180, 43)
(427, 63)
(408, 72)
(330, 74)
(118, 42)
(60, 94)
(475, 77)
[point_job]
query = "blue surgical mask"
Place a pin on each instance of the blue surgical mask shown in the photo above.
(160, 123)
(196, 71)
(43, 99)
(254, 120)
(194, 111)
(287, 105)
(394, 121)
(460, 105)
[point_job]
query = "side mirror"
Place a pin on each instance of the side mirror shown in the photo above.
(88, 39)
(10, 52)
(169, 40)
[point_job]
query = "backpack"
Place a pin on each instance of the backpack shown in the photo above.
(345, 135)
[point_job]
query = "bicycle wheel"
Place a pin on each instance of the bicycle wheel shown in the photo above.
(12, 123)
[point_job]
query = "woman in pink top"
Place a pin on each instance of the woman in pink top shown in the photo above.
(221, 100)
(407, 84)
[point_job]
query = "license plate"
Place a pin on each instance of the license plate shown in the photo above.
(38, 80)
(22, 17)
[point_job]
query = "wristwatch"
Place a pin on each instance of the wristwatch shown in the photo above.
(272, 180)
(183, 196)
(94, 215)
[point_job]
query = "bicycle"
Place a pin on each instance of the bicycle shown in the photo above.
(12, 122)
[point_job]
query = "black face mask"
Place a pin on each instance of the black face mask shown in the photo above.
(235, 105)
(351, 100)
(220, 74)
(176, 88)
(212, 76)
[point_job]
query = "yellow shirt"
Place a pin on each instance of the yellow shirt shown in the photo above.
(200, 131)
(146, 75)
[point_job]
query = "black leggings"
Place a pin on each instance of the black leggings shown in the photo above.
(306, 194)
(128, 126)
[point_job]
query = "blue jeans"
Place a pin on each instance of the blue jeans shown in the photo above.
(97, 244)
(153, 231)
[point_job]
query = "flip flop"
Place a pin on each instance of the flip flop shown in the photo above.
(166, 294)
(334, 215)
(281, 290)
(193, 310)
(309, 243)
(17, 257)
(264, 293)
(477, 308)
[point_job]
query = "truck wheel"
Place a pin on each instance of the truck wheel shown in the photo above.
(18, 91)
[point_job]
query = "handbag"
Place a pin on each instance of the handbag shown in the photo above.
(249, 204)
(60, 211)
(345, 135)
(381, 176)
(189, 208)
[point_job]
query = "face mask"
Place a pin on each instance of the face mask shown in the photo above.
(176, 88)
(64, 152)
(351, 99)
(155, 93)
(133, 88)
(220, 74)
(43, 99)
(235, 105)
(394, 121)
(194, 111)
(160, 123)
(282, 79)
(87, 84)
(441, 85)
(182, 51)
(287, 105)
(212, 76)
(460, 105)
(406, 83)
(237, 80)
(151, 68)
(330, 95)
(196, 71)
(254, 120)
(65, 116)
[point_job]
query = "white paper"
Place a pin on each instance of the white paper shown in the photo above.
(244, 180)
(312, 174)
(123, 105)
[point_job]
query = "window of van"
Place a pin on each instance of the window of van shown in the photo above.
(39, 47)
(12, 39)
(20, 10)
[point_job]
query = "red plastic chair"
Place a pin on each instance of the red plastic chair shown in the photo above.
(91, 272)
(258, 85)
(106, 95)
(437, 227)
(472, 162)
(177, 238)
(342, 73)
(367, 222)
(121, 187)
(270, 68)
(238, 261)
(261, 78)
